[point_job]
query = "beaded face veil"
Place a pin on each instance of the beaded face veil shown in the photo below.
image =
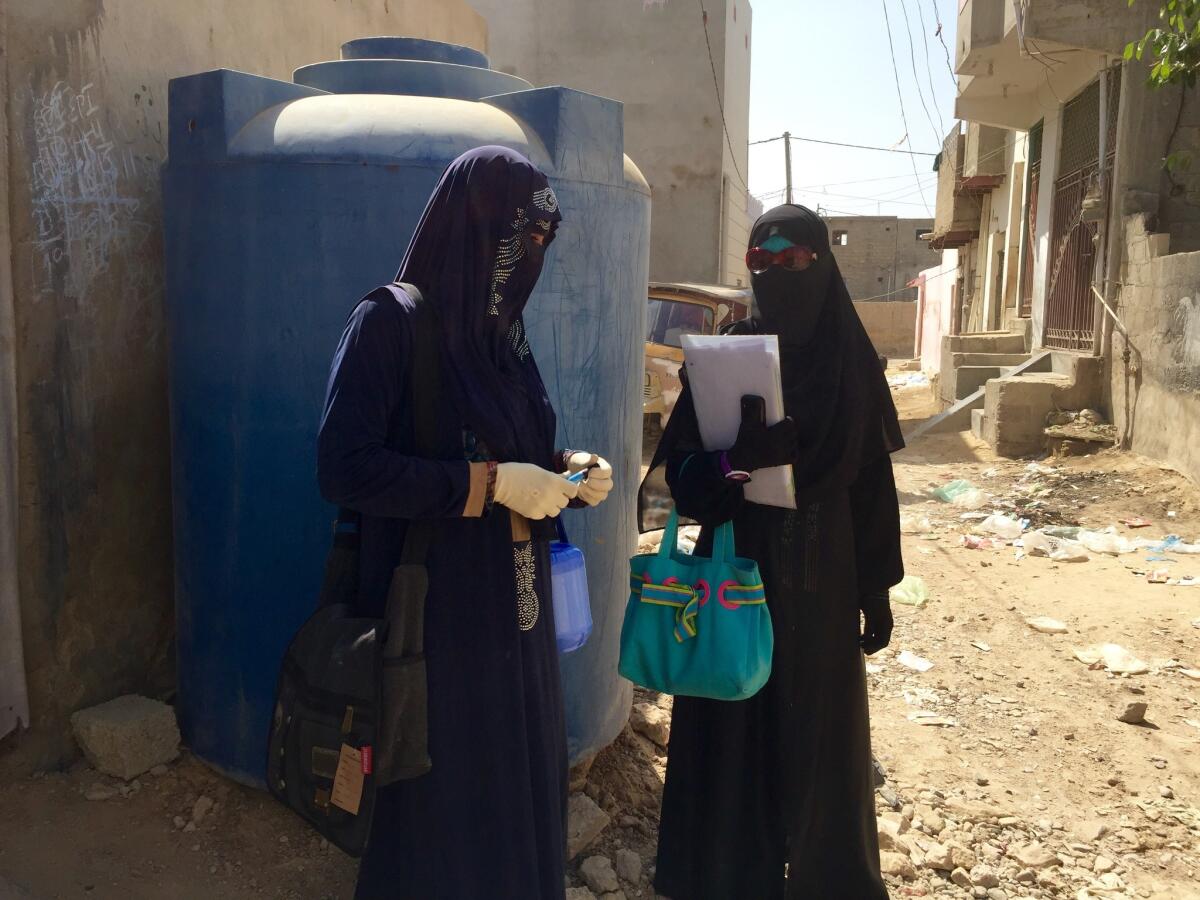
(520, 251)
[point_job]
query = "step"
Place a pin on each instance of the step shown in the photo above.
(958, 416)
(986, 342)
(988, 359)
(978, 417)
(969, 379)
(1015, 410)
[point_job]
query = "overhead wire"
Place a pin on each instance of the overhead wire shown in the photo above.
(900, 96)
(717, 89)
(841, 144)
(912, 55)
(941, 37)
(928, 67)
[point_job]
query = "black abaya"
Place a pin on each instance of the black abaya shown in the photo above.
(772, 797)
(785, 776)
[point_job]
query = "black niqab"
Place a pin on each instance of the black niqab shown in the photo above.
(473, 255)
(833, 385)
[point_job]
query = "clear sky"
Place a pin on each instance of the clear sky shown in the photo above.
(822, 69)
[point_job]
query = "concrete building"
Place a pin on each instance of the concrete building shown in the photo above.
(653, 55)
(1108, 256)
(880, 255)
(86, 609)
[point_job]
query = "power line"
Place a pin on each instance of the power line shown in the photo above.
(840, 144)
(953, 271)
(929, 68)
(717, 90)
(912, 55)
(900, 97)
(941, 37)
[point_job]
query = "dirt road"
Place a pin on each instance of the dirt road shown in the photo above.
(1009, 774)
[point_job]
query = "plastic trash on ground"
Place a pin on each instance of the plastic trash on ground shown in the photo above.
(1070, 532)
(1002, 526)
(1046, 625)
(910, 592)
(948, 492)
(975, 542)
(914, 524)
(1106, 542)
(1038, 543)
(1113, 657)
(910, 660)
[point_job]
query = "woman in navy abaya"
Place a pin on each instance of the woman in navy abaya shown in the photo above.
(488, 820)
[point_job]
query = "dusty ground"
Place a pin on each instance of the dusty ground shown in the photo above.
(1028, 787)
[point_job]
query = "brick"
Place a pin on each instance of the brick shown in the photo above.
(127, 736)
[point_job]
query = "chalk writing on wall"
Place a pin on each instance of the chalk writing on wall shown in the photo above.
(84, 203)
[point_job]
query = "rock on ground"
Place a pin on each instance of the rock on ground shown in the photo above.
(580, 893)
(127, 736)
(652, 722)
(1134, 714)
(598, 872)
(629, 866)
(897, 865)
(585, 822)
(1035, 856)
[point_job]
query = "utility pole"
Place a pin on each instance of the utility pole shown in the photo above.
(787, 162)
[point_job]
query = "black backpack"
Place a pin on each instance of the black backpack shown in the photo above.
(351, 703)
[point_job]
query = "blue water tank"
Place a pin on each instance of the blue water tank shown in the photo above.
(286, 202)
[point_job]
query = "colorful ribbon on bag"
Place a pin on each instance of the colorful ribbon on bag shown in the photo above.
(687, 599)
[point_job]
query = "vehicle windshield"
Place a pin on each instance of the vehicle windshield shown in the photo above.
(667, 321)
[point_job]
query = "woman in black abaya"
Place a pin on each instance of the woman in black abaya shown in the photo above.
(772, 797)
(488, 822)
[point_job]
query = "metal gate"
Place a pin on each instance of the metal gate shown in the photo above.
(1070, 309)
(1030, 224)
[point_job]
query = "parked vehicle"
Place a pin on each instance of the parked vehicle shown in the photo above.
(676, 309)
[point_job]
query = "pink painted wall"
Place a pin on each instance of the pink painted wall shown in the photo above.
(934, 310)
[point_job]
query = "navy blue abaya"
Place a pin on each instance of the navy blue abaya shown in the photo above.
(488, 821)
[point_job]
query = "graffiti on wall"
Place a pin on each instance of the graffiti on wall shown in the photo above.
(85, 203)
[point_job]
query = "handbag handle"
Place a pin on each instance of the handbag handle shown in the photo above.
(723, 543)
(562, 529)
(670, 538)
(723, 546)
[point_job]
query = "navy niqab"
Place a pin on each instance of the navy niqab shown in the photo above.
(474, 256)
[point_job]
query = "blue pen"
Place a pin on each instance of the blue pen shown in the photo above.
(580, 475)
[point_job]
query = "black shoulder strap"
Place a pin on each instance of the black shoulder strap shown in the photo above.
(424, 385)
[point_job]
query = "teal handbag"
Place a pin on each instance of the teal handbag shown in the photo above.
(695, 626)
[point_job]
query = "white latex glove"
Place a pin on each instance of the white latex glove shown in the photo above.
(532, 491)
(594, 488)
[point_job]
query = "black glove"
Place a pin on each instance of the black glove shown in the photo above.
(759, 446)
(877, 626)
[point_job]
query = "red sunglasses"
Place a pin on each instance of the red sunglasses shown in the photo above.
(794, 259)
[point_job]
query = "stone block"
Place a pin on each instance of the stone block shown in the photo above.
(585, 822)
(127, 736)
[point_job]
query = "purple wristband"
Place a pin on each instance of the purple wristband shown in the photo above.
(729, 471)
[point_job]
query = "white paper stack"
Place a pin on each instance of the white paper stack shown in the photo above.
(720, 370)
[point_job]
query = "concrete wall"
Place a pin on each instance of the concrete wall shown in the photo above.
(1155, 371)
(882, 254)
(1092, 24)
(935, 308)
(652, 56)
(736, 219)
(86, 107)
(891, 326)
(1156, 394)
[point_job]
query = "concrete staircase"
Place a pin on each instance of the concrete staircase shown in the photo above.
(991, 386)
(1013, 417)
(969, 360)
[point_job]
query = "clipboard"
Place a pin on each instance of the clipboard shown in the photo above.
(723, 368)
